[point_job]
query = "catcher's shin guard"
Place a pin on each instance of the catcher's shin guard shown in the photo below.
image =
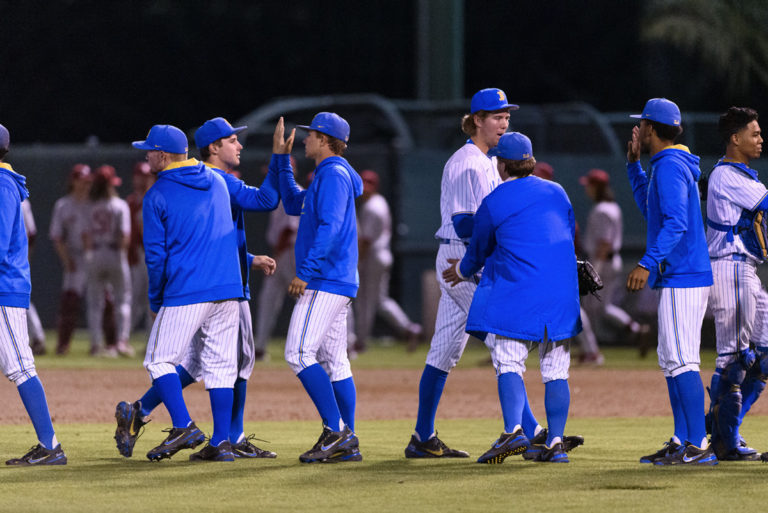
(727, 420)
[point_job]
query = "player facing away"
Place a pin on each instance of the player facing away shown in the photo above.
(220, 148)
(523, 239)
(15, 286)
(736, 205)
(676, 264)
(326, 280)
(194, 284)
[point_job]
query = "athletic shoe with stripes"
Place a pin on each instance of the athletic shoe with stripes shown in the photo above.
(432, 448)
(221, 452)
(690, 455)
(177, 439)
(668, 449)
(506, 445)
(245, 449)
(539, 441)
(554, 454)
(130, 426)
(39, 455)
(332, 446)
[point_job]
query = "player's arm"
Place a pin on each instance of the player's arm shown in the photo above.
(254, 199)
(155, 252)
(370, 228)
(290, 192)
(480, 248)
(6, 219)
(637, 177)
(673, 193)
(331, 208)
(262, 263)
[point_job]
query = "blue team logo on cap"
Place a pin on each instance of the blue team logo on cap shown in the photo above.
(329, 123)
(660, 110)
(489, 100)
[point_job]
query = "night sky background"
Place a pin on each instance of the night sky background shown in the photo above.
(70, 69)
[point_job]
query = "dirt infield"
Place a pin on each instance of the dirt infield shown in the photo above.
(86, 396)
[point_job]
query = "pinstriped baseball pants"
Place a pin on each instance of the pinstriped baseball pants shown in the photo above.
(15, 354)
(509, 355)
(681, 312)
(318, 334)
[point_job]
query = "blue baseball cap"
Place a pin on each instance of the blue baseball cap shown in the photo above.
(331, 124)
(5, 138)
(490, 99)
(213, 130)
(165, 138)
(660, 110)
(512, 146)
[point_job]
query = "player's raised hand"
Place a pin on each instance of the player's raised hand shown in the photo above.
(450, 275)
(281, 145)
(633, 146)
(264, 263)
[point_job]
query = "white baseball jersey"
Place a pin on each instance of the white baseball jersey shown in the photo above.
(604, 224)
(108, 225)
(468, 177)
(374, 224)
(737, 291)
(67, 225)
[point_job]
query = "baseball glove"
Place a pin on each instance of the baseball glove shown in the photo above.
(589, 280)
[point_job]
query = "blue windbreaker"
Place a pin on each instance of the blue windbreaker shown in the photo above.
(15, 284)
(676, 245)
(523, 234)
(326, 243)
(189, 239)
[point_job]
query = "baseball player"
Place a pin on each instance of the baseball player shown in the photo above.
(219, 146)
(34, 326)
(602, 242)
(15, 354)
(326, 279)
(523, 240)
(142, 181)
(374, 236)
(469, 175)
(735, 196)
(106, 236)
(675, 263)
(191, 253)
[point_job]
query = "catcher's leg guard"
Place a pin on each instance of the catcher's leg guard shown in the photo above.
(714, 397)
(753, 386)
(729, 406)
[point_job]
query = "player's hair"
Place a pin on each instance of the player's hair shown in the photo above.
(518, 168)
(3, 153)
(733, 120)
(205, 153)
(100, 189)
(603, 192)
(337, 146)
(666, 132)
(468, 121)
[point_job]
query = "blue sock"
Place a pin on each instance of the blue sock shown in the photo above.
(346, 398)
(511, 396)
(557, 399)
(318, 385)
(33, 397)
(236, 429)
(430, 391)
(529, 421)
(151, 399)
(691, 392)
(221, 406)
(678, 415)
(168, 388)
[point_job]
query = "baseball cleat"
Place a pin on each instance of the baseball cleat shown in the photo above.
(538, 442)
(331, 445)
(246, 449)
(221, 452)
(669, 448)
(690, 455)
(177, 439)
(506, 445)
(39, 455)
(554, 454)
(432, 448)
(130, 426)
(741, 453)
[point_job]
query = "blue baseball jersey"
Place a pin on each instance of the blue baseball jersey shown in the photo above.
(15, 284)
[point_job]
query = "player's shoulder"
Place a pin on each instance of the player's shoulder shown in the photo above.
(468, 158)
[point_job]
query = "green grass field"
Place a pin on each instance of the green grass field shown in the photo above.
(604, 474)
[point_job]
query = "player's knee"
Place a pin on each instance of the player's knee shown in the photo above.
(19, 377)
(298, 360)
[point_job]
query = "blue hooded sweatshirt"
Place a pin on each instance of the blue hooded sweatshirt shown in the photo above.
(15, 284)
(189, 239)
(676, 245)
(326, 243)
(244, 198)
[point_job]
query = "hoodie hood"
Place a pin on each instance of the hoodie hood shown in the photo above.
(19, 180)
(190, 173)
(357, 182)
(682, 155)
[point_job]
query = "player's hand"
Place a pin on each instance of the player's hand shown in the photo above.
(637, 278)
(296, 287)
(264, 263)
(450, 275)
(281, 145)
(633, 146)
